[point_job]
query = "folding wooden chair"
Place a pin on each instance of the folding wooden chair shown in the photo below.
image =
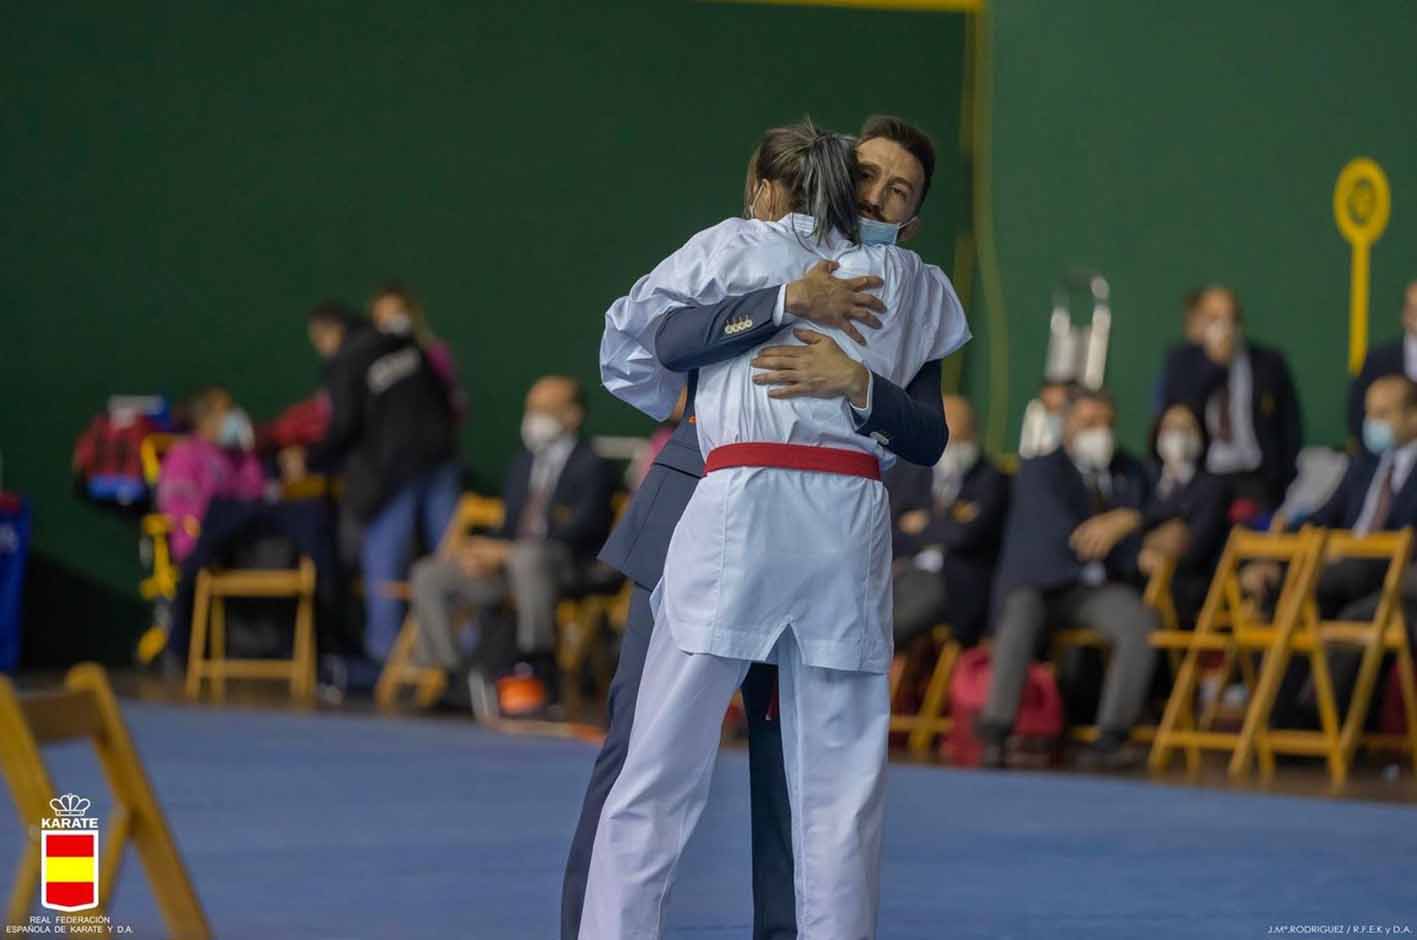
(1338, 736)
(209, 660)
(1157, 595)
(1230, 624)
(400, 671)
(928, 720)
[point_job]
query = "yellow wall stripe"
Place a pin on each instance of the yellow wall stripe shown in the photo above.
(936, 6)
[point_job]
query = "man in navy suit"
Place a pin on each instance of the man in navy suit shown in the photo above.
(1246, 395)
(1398, 357)
(557, 500)
(949, 522)
(1378, 493)
(1070, 559)
(897, 161)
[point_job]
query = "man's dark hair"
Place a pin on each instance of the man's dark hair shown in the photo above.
(1194, 297)
(334, 313)
(915, 141)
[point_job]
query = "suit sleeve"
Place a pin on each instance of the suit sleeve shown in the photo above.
(1291, 425)
(696, 336)
(910, 420)
(1334, 512)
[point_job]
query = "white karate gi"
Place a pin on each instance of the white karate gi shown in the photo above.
(766, 564)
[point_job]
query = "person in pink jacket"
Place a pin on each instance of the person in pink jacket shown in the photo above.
(214, 462)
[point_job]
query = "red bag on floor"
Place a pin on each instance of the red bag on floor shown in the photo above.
(1390, 717)
(1040, 712)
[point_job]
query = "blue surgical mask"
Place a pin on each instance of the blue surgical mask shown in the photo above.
(1377, 435)
(876, 232)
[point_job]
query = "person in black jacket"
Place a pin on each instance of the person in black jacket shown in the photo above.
(949, 521)
(1071, 543)
(1246, 394)
(557, 513)
(1188, 516)
(392, 432)
(1398, 357)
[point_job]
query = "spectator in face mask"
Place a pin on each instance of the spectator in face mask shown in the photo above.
(949, 520)
(1071, 543)
(1188, 517)
(214, 461)
(1245, 393)
(394, 309)
(557, 497)
(1398, 357)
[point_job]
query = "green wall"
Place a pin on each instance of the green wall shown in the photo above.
(1171, 144)
(181, 181)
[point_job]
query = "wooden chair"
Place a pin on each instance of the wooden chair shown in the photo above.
(929, 719)
(160, 586)
(1157, 595)
(1339, 735)
(400, 672)
(208, 660)
(1230, 624)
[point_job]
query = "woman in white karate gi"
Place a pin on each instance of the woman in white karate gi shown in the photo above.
(783, 555)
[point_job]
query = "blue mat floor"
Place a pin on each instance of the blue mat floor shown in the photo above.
(360, 828)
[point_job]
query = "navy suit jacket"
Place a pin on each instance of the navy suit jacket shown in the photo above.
(911, 422)
(1050, 500)
(1204, 506)
(1387, 359)
(969, 531)
(1346, 504)
(1192, 377)
(579, 513)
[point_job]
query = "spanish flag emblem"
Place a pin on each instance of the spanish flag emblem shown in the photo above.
(70, 862)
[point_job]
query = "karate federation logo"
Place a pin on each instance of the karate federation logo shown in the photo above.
(69, 856)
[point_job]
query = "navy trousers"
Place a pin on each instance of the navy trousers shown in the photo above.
(774, 903)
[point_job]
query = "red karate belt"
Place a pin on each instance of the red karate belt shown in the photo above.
(853, 463)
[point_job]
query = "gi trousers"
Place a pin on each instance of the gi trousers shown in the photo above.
(774, 907)
(834, 733)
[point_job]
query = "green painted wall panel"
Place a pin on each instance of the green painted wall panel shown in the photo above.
(181, 181)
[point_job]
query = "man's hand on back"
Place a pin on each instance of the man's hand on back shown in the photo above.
(826, 300)
(817, 370)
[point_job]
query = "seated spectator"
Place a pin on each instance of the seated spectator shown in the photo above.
(557, 497)
(1188, 517)
(394, 309)
(1398, 357)
(948, 524)
(214, 461)
(1246, 394)
(391, 430)
(1070, 559)
(1378, 493)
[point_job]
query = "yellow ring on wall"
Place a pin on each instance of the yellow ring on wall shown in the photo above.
(1362, 201)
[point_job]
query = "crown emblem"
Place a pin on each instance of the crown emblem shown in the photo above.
(69, 805)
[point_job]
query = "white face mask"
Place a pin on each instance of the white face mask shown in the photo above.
(1178, 448)
(955, 462)
(236, 431)
(1093, 448)
(540, 431)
